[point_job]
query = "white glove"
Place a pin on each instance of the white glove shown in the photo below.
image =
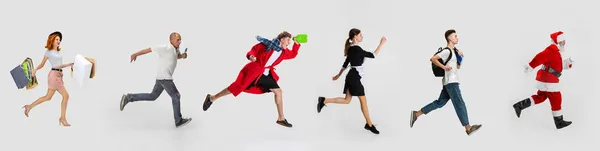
(567, 63)
(528, 68)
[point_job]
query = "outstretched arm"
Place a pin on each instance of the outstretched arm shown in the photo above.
(381, 42)
(40, 66)
(376, 52)
(539, 59)
(65, 65)
(293, 53)
(567, 63)
(344, 66)
(139, 53)
(42, 63)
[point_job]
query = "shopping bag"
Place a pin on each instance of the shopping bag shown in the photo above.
(19, 77)
(81, 70)
(93, 72)
(22, 75)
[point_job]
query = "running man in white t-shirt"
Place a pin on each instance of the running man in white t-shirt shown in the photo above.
(450, 82)
(167, 61)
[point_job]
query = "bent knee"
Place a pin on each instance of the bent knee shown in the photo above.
(65, 96)
(277, 91)
(347, 100)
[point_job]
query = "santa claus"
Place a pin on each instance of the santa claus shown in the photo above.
(553, 62)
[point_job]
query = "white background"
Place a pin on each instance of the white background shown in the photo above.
(497, 37)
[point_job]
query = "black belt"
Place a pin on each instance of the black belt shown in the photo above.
(60, 70)
(551, 70)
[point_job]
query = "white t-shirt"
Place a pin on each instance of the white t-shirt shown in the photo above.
(167, 61)
(54, 58)
(452, 75)
(272, 60)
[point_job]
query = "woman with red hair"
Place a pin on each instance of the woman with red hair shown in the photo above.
(55, 77)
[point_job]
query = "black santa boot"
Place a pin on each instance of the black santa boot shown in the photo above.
(560, 122)
(521, 105)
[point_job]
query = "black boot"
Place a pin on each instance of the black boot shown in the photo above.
(560, 123)
(521, 105)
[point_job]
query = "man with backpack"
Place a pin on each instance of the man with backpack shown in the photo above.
(446, 63)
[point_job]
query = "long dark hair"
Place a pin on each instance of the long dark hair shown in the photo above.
(353, 32)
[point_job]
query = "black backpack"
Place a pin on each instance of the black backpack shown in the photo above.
(437, 71)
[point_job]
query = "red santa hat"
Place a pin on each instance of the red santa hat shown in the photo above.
(557, 37)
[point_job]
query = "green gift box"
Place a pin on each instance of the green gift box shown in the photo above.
(301, 38)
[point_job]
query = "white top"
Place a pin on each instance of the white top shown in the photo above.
(271, 60)
(54, 58)
(452, 75)
(167, 61)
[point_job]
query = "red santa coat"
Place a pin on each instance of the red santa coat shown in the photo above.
(253, 70)
(549, 57)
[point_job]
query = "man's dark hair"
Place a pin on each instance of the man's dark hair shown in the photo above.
(448, 33)
(283, 35)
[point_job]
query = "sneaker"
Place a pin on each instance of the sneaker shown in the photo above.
(284, 123)
(207, 103)
(320, 104)
(473, 129)
(372, 129)
(413, 118)
(183, 122)
(123, 102)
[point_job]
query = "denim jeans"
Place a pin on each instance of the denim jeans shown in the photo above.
(159, 86)
(451, 91)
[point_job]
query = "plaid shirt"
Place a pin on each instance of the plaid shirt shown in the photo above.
(271, 44)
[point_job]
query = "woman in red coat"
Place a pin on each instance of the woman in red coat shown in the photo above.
(258, 76)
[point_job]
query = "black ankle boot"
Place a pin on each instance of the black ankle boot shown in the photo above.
(560, 123)
(521, 105)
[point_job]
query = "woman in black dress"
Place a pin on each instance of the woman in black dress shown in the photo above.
(355, 56)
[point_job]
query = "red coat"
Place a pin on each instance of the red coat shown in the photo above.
(253, 70)
(549, 57)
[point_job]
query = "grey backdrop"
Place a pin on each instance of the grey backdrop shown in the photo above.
(497, 37)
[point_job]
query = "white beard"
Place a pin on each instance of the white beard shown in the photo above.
(561, 48)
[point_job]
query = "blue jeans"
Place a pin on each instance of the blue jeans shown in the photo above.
(159, 86)
(451, 91)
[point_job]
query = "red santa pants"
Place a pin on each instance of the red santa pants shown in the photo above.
(554, 97)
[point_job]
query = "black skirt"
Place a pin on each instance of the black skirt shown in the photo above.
(353, 83)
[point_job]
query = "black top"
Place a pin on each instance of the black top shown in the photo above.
(356, 56)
